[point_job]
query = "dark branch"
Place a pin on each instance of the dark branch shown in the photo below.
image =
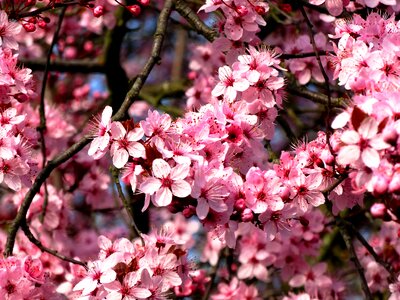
(38, 244)
(42, 127)
(316, 97)
(125, 202)
(353, 256)
(41, 10)
(198, 25)
(304, 55)
(71, 66)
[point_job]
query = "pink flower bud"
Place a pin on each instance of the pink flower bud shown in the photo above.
(88, 46)
(134, 10)
(380, 186)
(394, 185)
(247, 215)
(30, 3)
(192, 75)
(98, 11)
(144, 2)
(378, 210)
(240, 204)
(42, 24)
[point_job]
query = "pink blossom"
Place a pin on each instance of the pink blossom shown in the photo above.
(125, 144)
(166, 181)
(364, 143)
(229, 84)
(8, 31)
(102, 134)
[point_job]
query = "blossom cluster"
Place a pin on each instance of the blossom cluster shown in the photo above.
(127, 270)
(367, 136)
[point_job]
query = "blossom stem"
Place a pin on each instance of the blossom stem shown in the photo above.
(125, 202)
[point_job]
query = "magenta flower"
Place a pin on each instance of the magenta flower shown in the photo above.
(166, 181)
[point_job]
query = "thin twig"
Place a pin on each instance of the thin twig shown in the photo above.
(41, 10)
(42, 127)
(71, 66)
(353, 256)
(151, 62)
(303, 55)
(326, 80)
(315, 97)
(125, 202)
(213, 275)
(37, 243)
(78, 146)
(371, 250)
(198, 25)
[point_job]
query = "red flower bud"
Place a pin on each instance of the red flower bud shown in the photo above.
(134, 10)
(29, 27)
(98, 11)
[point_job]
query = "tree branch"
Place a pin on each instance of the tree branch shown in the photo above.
(304, 55)
(37, 243)
(58, 65)
(198, 25)
(125, 202)
(315, 97)
(353, 256)
(67, 154)
(42, 113)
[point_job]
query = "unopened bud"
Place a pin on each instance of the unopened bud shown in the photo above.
(378, 210)
(240, 205)
(21, 97)
(134, 10)
(98, 11)
(42, 24)
(30, 3)
(29, 27)
(144, 2)
(380, 186)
